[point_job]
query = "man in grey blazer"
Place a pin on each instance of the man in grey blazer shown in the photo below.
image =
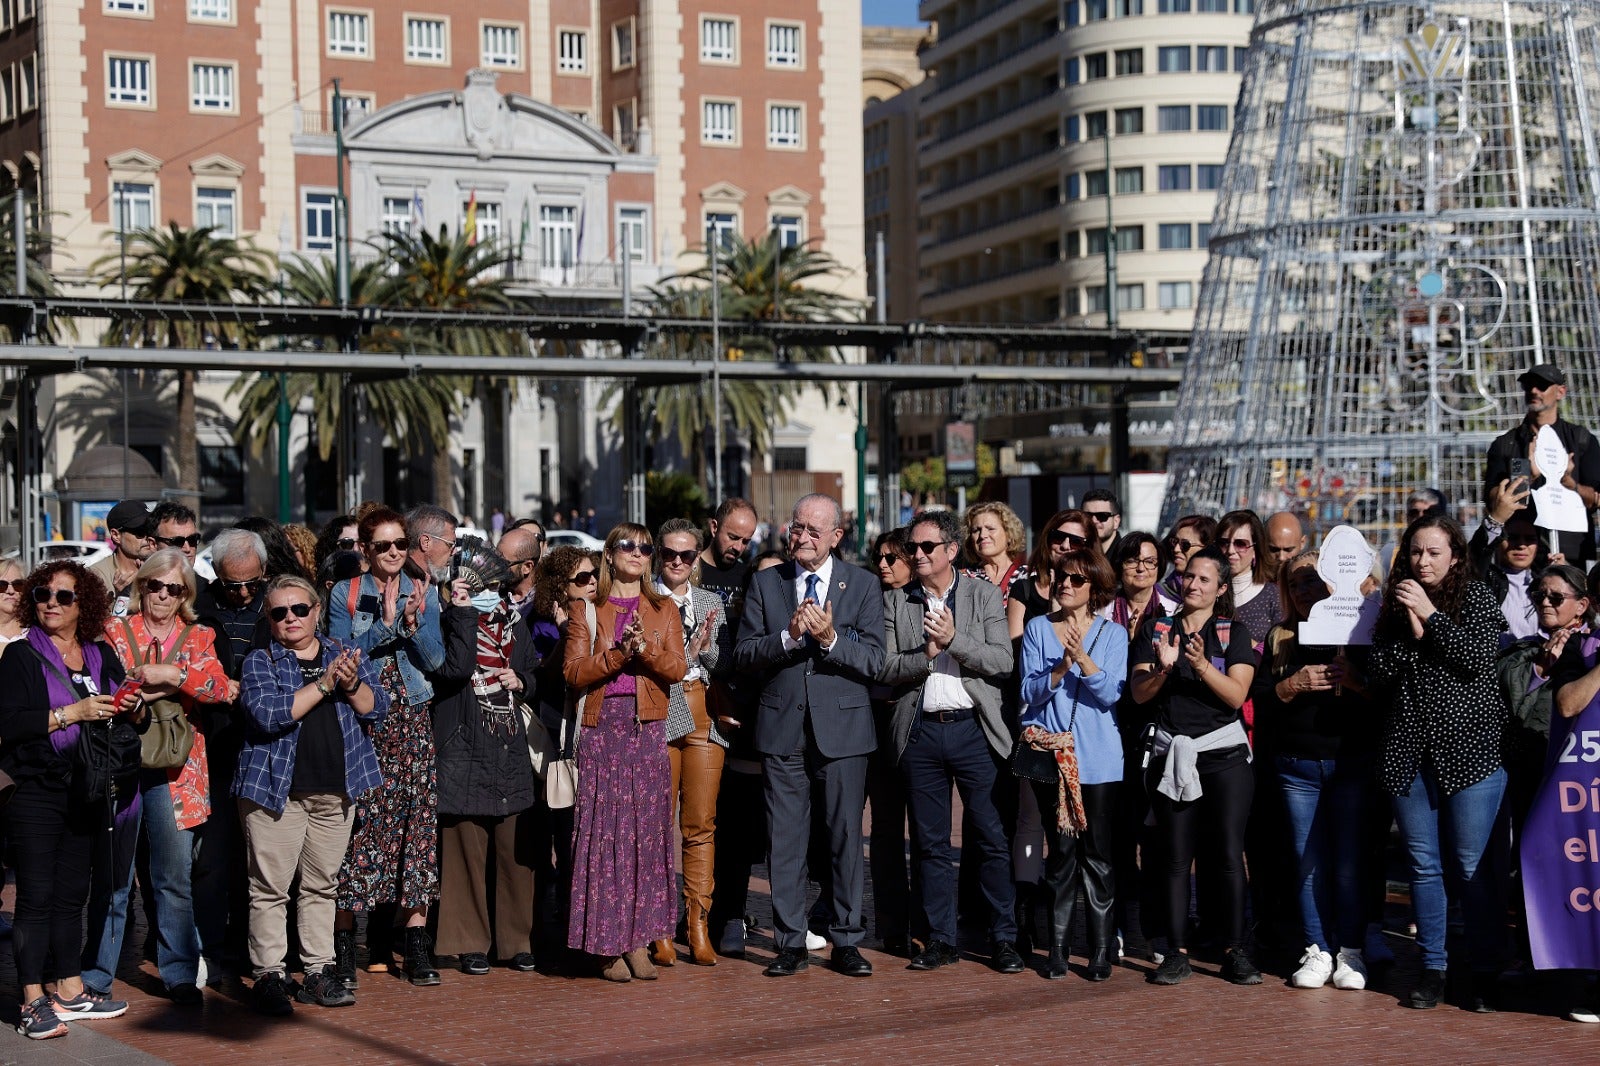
(812, 638)
(948, 650)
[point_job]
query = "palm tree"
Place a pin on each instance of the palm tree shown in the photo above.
(38, 281)
(197, 264)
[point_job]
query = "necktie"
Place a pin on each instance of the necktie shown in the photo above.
(812, 581)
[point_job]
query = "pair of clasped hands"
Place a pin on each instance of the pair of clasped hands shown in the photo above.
(813, 621)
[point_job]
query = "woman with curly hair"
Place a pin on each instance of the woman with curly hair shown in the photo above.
(1433, 658)
(996, 543)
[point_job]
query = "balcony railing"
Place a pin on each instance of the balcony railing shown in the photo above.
(993, 117)
(530, 271)
(972, 231)
(1032, 157)
(988, 67)
(1025, 268)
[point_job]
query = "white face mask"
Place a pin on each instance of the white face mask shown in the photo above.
(486, 601)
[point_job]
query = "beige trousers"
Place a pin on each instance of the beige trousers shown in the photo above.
(310, 837)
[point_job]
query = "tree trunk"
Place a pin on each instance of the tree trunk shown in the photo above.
(186, 445)
(444, 479)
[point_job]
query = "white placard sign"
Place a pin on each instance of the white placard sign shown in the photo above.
(1346, 616)
(1559, 507)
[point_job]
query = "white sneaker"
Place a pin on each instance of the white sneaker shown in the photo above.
(1587, 1015)
(815, 942)
(1377, 947)
(1351, 971)
(1316, 966)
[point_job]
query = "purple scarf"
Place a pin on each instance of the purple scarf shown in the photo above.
(61, 693)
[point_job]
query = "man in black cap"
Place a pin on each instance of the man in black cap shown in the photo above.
(128, 527)
(1544, 386)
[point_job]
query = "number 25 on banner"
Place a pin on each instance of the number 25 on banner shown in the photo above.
(1591, 746)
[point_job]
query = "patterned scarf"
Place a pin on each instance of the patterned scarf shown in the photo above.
(496, 704)
(1070, 816)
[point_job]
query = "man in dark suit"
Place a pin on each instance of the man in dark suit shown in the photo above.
(812, 634)
(948, 650)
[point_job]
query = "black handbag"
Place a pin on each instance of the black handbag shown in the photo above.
(1038, 764)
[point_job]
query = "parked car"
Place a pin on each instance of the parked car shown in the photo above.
(556, 538)
(87, 552)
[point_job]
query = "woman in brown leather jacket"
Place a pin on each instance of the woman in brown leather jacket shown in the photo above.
(623, 653)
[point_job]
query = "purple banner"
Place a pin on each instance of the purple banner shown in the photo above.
(1561, 848)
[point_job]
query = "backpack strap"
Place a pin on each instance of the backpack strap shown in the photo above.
(353, 597)
(183, 634)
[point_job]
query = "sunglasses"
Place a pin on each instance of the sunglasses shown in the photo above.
(13, 586)
(582, 578)
(883, 559)
(177, 591)
(644, 548)
(1101, 516)
(1554, 599)
(1522, 542)
(1239, 544)
(278, 614)
(1077, 581)
(686, 557)
(1182, 545)
(927, 547)
(381, 547)
(255, 584)
(345, 544)
(191, 541)
(1058, 536)
(1417, 512)
(64, 597)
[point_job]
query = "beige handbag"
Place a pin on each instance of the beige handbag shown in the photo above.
(561, 766)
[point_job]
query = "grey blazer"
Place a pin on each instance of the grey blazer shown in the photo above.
(680, 720)
(982, 649)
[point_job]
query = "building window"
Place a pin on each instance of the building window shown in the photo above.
(1175, 178)
(783, 44)
(1071, 76)
(216, 208)
(1072, 129)
(1202, 233)
(719, 122)
(1097, 299)
(1244, 7)
(27, 84)
(8, 96)
(622, 45)
(222, 475)
(356, 106)
(1130, 120)
(1174, 294)
(721, 226)
(1130, 61)
(573, 57)
(1071, 14)
(1211, 58)
(318, 235)
(1094, 10)
(133, 206)
(790, 457)
(211, 87)
(502, 45)
(1094, 66)
(1072, 187)
(211, 10)
(128, 80)
(1130, 238)
(633, 234)
(1130, 180)
(1215, 7)
(1094, 182)
(1130, 297)
(783, 126)
(1208, 176)
(1211, 117)
(486, 221)
(1239, 55)
(1094, 124)
(349, 33)
(1174, 58)
(1095, 241)
(1173, 7)
(789, 229)
(127, 7)
(717, 39)
(425, 40)
(1129, 8)
(624, 123)
(1175, 236)
(558, 236)
(397, 216)
(1174, 118)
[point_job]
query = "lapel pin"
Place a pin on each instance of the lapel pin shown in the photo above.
(841, 586)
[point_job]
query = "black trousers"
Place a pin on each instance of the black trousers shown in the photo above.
(1214, 826)
(891, 885)
(1083, 861)
(52, 842)
(741, 843)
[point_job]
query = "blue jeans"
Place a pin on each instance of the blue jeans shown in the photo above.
(109, 887)
(1464, 821)
(1326, 801)
(172, 852)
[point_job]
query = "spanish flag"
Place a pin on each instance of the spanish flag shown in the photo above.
(471, 228)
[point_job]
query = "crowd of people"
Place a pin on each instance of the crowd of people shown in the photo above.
(425, 747)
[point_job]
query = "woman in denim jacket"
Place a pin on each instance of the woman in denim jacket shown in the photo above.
(394, 854)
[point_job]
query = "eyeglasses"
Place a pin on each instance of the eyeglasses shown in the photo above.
(686, 557)
(882, 559)
(63, 597)
(1101, 516)
(1058, 536)
(1275, 550)
(441, 540)
(255, 584)
(1077, 581)
(1141, 563)
(1554, 599)
(927, 547)
(381, 547)
(13, 586)
(808, 533)
(643, 547)
(345, 544)
(1239, 544)
(191, 541)
(582, 578)
(177, 591)
(1181, 545)
(278, 614)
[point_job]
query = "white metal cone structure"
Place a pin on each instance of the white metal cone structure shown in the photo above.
(1408, 220)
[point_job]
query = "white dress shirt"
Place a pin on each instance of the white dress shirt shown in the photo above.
(943, 691)
(824, 573)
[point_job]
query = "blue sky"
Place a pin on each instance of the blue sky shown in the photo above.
(889, 13)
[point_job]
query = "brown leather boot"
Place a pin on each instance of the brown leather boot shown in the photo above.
(662, 953)
(700, 949)
(638, 961)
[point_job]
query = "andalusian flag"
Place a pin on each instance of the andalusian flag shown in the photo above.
(471, 228)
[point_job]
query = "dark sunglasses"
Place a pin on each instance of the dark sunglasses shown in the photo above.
(1077, 581)
(1554, 599)
(13, 586)
(177, 591)
(687, 556)
(582, 578)
(255, 584)
(278, 614)
(64, 597)
(883, 559)
(1240, 544)
(345, 544)
(1184, 546)
(1523, 541)
(1101, 516)
(927, 547)
(191, 541)
(644, 548)
(379, 547)
(1058, 536)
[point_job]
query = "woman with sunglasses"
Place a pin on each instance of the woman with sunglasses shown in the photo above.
(1074, 668)
(54, 684)
(1196, 668)
(1242, 536)
(1314, 716)
(1191, 533)
(12, 580)
(996, 543)
(394, 851)
(1030, 593)
(694, 746)
(309, 701)
(341, 534)
(1441, 758)
(159, 642)
(622, 660)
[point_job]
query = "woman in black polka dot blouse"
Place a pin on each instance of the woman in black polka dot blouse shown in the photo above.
(1433, 655)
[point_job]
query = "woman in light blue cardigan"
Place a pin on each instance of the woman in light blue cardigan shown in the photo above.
(1074, 668)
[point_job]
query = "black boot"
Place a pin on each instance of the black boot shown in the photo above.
(1024, 910)
(418, 964)
(344, 958)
